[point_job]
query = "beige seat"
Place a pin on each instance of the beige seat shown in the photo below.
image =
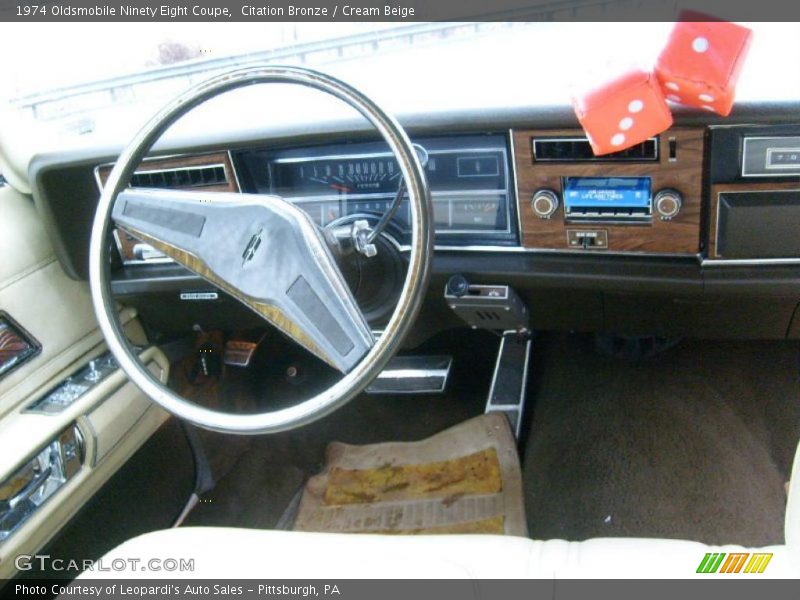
(245, 553)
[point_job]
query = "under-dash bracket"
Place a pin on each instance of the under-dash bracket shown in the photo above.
(492, 307)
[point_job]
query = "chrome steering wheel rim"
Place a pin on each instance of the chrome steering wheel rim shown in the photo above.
(410, 299)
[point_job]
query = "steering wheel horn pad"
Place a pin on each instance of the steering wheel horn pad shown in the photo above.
(233, 240)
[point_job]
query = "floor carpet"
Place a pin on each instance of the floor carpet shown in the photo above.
(693, 443)
(259, 476)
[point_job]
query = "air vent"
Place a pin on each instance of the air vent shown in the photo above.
(578, 149)
(184, 177)
(487, 315)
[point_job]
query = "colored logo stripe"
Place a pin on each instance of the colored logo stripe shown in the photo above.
(713, 562)
(734, 562)
(758, 563)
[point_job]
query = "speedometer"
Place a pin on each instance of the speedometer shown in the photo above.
(330, 176)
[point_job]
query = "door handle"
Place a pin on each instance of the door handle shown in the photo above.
(27, 492)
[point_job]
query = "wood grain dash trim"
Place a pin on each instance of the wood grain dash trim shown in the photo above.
(680, 236)
(126, 242)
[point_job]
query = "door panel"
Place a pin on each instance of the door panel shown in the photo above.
(111, 417)
(36, 293)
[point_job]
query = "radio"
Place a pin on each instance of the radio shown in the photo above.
(643, 200)
(608, 199)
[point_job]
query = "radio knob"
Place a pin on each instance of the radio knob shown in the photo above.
(668, 203)
(544, 203)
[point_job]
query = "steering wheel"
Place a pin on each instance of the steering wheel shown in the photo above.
(266, 253)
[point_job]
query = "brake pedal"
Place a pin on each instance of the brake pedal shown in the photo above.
(413, 375)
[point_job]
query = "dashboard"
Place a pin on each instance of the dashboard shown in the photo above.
(690, 233)
(498, 190)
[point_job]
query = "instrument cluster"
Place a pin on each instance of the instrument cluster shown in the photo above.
(468, 177)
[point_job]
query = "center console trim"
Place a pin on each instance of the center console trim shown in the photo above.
(680, 236)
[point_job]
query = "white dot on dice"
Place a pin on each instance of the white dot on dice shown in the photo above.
(700, 44)
(674, 98)
(626, 123)
(635, 106)
(706, 98)
(711, 108)
(618, 140)
(672, 86)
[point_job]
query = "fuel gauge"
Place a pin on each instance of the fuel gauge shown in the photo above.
(480, 213)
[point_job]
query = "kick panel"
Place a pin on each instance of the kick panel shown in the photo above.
(648, 201)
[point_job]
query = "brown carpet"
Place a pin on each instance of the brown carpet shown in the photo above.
(259, 476)
(694, 443)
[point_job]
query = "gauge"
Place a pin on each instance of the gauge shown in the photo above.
(480, 213)
(369, 175)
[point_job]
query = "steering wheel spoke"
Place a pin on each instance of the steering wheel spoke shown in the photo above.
(264, 252)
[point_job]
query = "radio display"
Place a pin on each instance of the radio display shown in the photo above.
(614, 197)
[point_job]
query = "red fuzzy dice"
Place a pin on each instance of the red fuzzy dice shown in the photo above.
(702, 61)
(624, 112)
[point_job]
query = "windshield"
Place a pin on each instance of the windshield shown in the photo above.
(109, 79)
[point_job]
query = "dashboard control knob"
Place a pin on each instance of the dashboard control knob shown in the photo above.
(457, 286)
(544, 203)
(668, 203)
